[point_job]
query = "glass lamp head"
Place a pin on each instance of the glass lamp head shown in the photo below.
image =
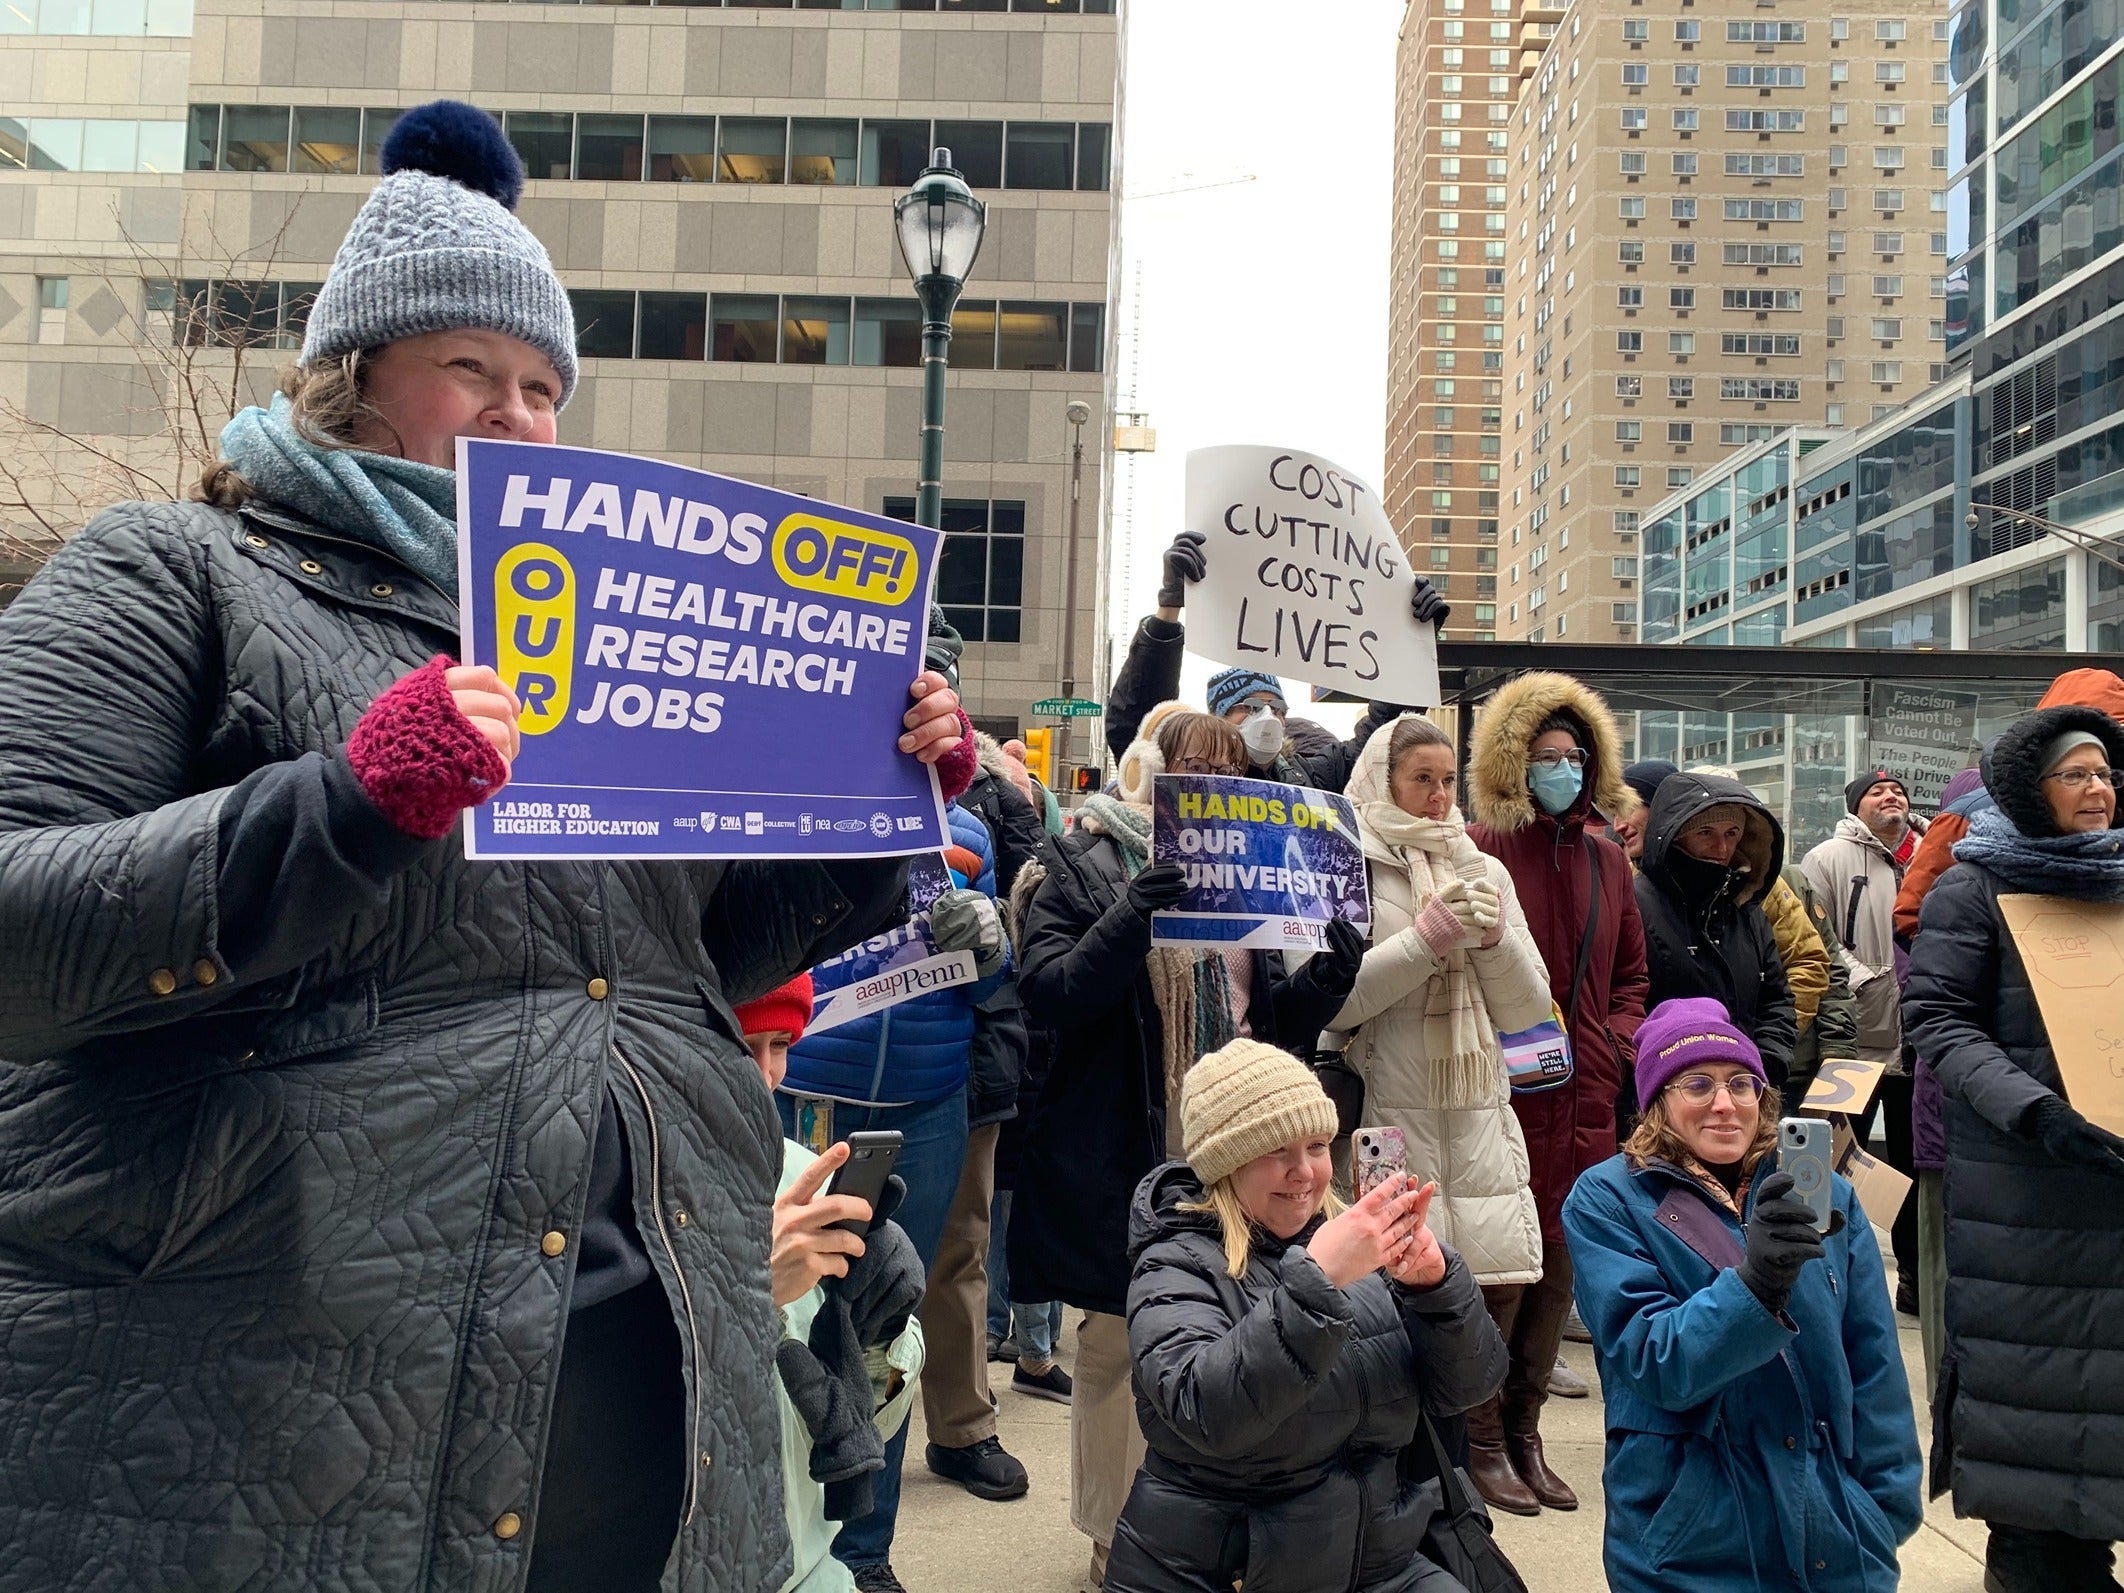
(939, 223)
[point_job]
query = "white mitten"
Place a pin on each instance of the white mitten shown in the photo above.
(1487, 905)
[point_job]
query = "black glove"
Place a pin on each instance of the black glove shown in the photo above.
(1335, 965)
(1157, 887)
(883, 1285)
(1428, 607)
(1183, 563)
(1781, 1240)
(890, 1199)
(829, 1385)
(2071, 1138)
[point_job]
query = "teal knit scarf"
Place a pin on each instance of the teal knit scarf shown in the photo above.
(407, 509)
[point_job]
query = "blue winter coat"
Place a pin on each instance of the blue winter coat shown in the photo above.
(1745, 1450)
(917, 1051)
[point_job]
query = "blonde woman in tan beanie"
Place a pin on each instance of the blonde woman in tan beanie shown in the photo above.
(1284, 1350)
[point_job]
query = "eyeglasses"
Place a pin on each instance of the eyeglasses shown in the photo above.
(1204, 766)
(2080, 779)
(1744, 1089)
(1549, 758)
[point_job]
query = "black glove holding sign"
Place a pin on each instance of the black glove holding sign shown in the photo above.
(1426, 606)
(1158, 887)
(1184, 564)
(1334, 967)
(2071, 1138)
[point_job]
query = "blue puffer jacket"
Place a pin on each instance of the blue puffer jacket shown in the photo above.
(915, 1052)
(1745, 1450)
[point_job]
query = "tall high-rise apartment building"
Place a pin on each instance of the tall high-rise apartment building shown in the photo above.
(1718, 226)
(715, 185)
(1456, 79)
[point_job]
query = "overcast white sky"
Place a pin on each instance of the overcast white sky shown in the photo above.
(1257, 310)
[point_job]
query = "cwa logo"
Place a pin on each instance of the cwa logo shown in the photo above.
(534, 632)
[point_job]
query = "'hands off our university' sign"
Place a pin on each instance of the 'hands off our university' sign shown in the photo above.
(1268, 865)
(708, 668)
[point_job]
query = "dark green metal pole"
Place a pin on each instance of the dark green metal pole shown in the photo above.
(938, 295)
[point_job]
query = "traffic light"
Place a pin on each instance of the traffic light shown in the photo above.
(1087, 778)
(1040, 755)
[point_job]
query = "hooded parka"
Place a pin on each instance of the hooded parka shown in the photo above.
(2028, 1418)
(296, 1112)
(1705, 931)
(1278, 1408)
(1475, 1152)
(1551, 860)
(1746, 1450)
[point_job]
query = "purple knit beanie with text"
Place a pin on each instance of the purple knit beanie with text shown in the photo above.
(1688, 1033)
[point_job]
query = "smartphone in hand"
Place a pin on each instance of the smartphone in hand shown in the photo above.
(1803, 1151)
(871, 1154)
(1380, 1154)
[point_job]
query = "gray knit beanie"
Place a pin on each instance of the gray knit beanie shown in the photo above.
(437, 248)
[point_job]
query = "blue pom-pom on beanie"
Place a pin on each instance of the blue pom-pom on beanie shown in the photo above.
(448, 138)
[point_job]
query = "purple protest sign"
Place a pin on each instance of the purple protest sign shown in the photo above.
(1268, 865)
(896, 966)
(708, 667)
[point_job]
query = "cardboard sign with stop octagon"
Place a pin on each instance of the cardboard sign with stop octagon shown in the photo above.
(2074, 953)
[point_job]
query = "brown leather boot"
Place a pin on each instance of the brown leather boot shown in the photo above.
(1524, 1451)
(1490, 1469)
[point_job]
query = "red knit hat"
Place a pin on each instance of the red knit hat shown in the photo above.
(786, 1007)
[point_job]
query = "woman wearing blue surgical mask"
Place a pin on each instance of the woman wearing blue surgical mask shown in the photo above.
(1544, 762)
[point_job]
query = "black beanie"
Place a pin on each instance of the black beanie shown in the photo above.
(1644, 778)
(1857, 789)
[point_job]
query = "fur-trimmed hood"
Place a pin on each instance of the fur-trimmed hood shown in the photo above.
(2014, 772)
(1505, 729)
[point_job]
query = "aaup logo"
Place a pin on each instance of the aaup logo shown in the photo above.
(534, 631)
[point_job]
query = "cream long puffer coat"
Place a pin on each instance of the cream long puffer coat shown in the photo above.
(1484, 1208)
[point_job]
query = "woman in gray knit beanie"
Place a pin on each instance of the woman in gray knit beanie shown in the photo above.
(371, 1217)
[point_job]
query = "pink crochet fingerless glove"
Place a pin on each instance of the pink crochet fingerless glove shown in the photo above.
(419, 759)
(957, 768)
(1440, 928)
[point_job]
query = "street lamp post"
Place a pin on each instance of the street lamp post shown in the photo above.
(939, 224)
(1077, 413)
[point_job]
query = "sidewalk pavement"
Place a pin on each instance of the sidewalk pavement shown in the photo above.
(951, 1542)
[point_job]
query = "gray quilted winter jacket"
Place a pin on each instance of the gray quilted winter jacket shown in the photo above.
(295, 1110)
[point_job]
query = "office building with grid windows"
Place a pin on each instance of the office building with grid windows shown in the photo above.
(1456, 78)
(1719, 227)
(715, 185)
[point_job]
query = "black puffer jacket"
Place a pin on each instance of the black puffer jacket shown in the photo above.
(1278, 1409)
(295, 1111)
(2028, 1418)
(1705, 932)
(1100, 1125)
